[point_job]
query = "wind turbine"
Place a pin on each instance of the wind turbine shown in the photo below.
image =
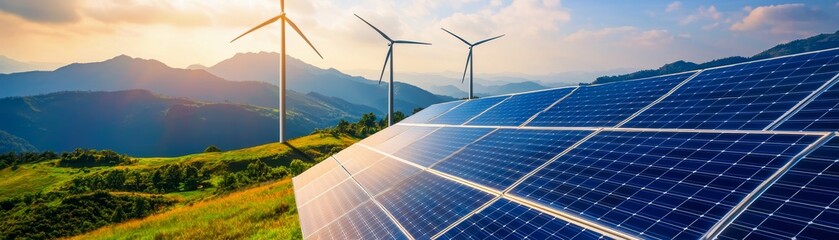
(470, 65)
(390, 44)
(284, 19)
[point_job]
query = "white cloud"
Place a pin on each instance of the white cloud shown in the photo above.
(673, 6)
(624, 35)
(786, 19)
(583, 35)
(703, 13)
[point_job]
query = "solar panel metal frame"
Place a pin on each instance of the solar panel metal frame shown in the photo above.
(804, 103)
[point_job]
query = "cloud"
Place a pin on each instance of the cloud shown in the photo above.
(59, 11)
(786, 19)
(673, 6)
(187, 14)
(625, 35)
(703, 13)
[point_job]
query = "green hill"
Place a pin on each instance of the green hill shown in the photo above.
(238, 193)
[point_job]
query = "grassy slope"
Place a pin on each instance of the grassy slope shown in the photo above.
(266, 211)
(263, 212)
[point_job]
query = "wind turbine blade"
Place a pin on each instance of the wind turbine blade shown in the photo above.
(374, 28)
(468, 59)
(458, 37)
(282, 6)
(259, 26)
(389, 52)
(486, 40)
(290, 23)
(410, 42)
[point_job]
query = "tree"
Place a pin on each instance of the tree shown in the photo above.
(297, 166)
(212, 148)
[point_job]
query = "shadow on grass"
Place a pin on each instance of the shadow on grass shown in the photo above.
(301, 153)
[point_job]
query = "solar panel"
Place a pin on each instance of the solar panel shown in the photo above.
(426, 203)
(745, 96)
(822, 114)
(330, 205)
(405, 138)
(439, 144)
(606, 105)
(505, 219)
(682, 156)
(467, 110)
(519, 108)
(802, 204)
(506, 155)
(384, 174)
(431, 112)
(367, 221)
(667, 185)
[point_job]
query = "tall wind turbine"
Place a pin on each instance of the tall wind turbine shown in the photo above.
(469, 63)
(390, 44)
(284, 19)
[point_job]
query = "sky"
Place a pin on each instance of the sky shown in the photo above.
(542, 36)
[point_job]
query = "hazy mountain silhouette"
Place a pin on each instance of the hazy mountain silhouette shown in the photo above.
(12, 143)
(303, 77)
(140, 123)
(8, 65)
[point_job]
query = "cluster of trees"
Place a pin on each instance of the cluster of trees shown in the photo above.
(165, 179)
(12, 159)
(257, 172)
(38, 216)
(92, 158)
(366, 126)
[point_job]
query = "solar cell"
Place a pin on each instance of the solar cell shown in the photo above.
(802, 204)
(425, 204)
(821, 114)
(329, 179)
(506, 155)
(745, 96)
(467, 110)
(367, 221)
(359, 158)
(439, 144)
(384, 174)
(330, 205)
(505, 219)
(606, 105)
(667, 185)
(519, 108)
(430, 112)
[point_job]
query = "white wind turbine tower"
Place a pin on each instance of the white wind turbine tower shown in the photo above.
(470, 65)
(284, 19)
(390, 44)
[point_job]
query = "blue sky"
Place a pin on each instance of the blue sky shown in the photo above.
(543, 36)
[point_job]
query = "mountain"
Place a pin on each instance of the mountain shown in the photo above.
(818, 42)
(491, 90)
(12, 143)
(124, 73)
(8, 65)
(141, 123)
(303, 77)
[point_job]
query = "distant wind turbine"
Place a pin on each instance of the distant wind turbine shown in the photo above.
(470, 65)
(390, 44)
(284, 20)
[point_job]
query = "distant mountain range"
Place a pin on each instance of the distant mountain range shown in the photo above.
(818, 42)
(8, 65)
(142, 123)
(303, 77)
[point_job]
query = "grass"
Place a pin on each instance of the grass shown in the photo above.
(262, 212)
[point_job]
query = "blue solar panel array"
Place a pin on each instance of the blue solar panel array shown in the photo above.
(520, 108)
(468, 110)
(607, 105)
(802, 204)
(746, 151)
(745, 96)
